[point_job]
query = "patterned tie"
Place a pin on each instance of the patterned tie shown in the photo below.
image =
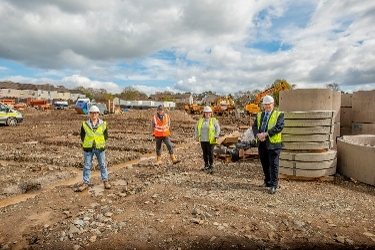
(264, 123)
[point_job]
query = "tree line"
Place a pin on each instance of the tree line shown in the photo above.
(240, 98)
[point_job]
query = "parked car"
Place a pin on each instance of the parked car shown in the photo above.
(9, 116)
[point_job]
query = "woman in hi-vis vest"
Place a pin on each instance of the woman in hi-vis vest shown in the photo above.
(207, 131)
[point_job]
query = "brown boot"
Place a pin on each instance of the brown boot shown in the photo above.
(174, 160)
(82, 187)
(158, 160)
(107, 185)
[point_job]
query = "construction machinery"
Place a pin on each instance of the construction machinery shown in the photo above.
(193, 108)
(20, 106)
(83, 106)
(38, 104)
(223, 106)
(61, 105)
(253, 108)
(8, 102)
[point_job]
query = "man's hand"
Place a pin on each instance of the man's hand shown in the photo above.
(262, 136)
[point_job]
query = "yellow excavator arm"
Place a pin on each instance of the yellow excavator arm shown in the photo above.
(253, 108)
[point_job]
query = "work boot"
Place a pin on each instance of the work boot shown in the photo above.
(158, 160)
(174, 160)
(206, 167)
(82, 187)
(107, 185)
(210, 169)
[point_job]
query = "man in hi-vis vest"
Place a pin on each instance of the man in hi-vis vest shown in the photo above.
(94, 135)
(267, 131)
(160, 124)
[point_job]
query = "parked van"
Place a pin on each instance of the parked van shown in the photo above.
(9, 116)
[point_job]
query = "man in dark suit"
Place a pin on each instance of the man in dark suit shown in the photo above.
(267, 131)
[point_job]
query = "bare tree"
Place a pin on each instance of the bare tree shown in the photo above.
(334, 86)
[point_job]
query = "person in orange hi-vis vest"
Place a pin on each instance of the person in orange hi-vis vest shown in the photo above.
(160, 124)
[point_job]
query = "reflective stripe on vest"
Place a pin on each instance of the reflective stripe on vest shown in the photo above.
(161, 128)
(276, 138)
(91, 136)
(211, 130)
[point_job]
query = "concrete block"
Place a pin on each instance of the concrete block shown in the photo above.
(346, 100)
(346, 117)
(362, 99)
(308, 130)
(363, 128)
(364, 115)
(309, 115)
(313, 173)
(336, 105)
(356, 157)
(308, 156)
(306, 100)
(308, 145)
(345, 131)
(309, 165)
(308, 123)
(336, 134)
(307, 138)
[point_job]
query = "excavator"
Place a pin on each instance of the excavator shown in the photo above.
(193, 109)
(253, 108)
(223, 106)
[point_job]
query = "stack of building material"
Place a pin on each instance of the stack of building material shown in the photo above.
(309, 136)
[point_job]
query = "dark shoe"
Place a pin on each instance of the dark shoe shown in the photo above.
(263, 185)
(204, 168)
(210, 170)
(272, 190)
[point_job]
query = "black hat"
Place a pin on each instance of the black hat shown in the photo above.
(160, 107)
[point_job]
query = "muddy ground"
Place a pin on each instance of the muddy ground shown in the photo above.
(162, 207)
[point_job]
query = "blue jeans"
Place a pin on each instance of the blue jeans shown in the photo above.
(100, 155)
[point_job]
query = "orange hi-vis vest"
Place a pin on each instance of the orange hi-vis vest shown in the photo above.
(161, 128)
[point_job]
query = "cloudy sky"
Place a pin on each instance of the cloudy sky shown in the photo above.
(188, 45)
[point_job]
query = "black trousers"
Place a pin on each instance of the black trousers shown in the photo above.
(269, 159)
(208, 152)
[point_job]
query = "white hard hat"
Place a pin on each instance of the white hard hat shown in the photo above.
(94, 109)
(207, 109)
(268, 99)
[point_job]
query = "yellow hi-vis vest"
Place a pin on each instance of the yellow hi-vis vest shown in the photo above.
(276, 138)
(91, 136)
(211, 130)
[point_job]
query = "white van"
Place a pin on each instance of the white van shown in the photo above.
(9, 116)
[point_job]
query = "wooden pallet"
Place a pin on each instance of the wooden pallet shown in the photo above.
(250, 153)
(303, 178)
(226, 158)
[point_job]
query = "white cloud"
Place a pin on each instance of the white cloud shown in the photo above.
(193, 46)
(76, 81)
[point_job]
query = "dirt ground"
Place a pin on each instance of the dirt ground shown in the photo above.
(162, 207)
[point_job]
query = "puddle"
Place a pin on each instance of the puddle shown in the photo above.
(119, 183)
(99, 190)
(96, 189)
